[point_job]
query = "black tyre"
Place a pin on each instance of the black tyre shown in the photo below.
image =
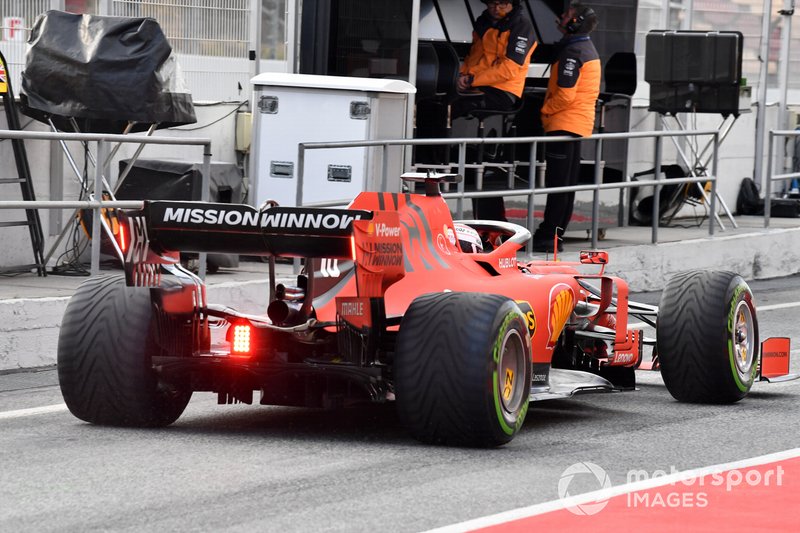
(708, 337)
(105, 346)
(463, 369)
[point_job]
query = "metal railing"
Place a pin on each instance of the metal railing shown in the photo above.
(770, 178)
(103, 162)
(532, 190)
(103, 141)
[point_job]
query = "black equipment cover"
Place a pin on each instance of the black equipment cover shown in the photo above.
(103, 72)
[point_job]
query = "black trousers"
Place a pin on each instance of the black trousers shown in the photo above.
(490, 98)
(563, 169)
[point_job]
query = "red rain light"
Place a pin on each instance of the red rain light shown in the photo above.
(240, 341)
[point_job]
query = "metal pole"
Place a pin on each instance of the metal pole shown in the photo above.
(412, 79)
(102, 154)
(532, 195)
(301, 159)
(688, 19)
(598, 154)
(291, 37)
(783, 75)
(761, 109)
(70, 159)
(384, 166)
(56, 222)
(768, 182)
(135, 155)
(657, 192)
(714, 170)
(204, 193)
(255, 10)
(665, 14)
(462, 163)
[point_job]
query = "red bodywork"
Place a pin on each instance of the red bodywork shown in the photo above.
(409, 248)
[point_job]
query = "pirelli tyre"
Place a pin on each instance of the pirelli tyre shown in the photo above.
(708, 337)
(105, 346)
(462, 369)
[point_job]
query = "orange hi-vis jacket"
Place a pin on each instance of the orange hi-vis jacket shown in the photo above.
(573, 88)
(500, 52)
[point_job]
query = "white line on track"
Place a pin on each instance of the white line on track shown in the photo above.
(773, 307)
(20, 413)
(760, 308)
(605, 494)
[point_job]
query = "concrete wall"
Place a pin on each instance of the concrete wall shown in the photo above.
(29, 326)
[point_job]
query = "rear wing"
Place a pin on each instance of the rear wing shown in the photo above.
(161, 229)
(242, 229)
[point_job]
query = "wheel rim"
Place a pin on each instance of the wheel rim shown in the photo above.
(743, 339)
(511, 372)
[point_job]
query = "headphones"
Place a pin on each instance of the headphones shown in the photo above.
(576, 23)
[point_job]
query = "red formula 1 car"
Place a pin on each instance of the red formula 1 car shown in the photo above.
(389, 307)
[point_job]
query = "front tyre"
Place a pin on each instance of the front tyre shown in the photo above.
(708, 337)
(105, 346)
(463, 369)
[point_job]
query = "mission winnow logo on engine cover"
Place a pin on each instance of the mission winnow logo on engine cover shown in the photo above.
(244, 218)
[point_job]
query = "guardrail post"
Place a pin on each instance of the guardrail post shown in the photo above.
(531, 196)
(713, 201)
(768, 181)
(657, 191)
(598, 153)
(462, 163)
(102, 153)
(202, 258)
(301, 160)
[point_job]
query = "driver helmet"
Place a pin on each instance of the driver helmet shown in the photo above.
(468, 239)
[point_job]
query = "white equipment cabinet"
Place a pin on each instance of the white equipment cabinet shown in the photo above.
(300, 108)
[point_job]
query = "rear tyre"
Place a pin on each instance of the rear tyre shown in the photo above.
(463, 369)
(708, 337)
(105, 346)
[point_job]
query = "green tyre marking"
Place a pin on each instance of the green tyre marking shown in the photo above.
(731, 352)
(508, 430)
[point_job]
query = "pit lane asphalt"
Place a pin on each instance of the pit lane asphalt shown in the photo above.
(246, 468)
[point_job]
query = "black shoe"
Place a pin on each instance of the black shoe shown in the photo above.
(546, 246)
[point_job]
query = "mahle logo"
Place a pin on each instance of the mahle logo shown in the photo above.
(593, 472)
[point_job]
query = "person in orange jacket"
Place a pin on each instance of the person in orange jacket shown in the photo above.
(568, 110)
(497, 63)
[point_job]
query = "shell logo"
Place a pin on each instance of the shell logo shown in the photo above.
(562, 302)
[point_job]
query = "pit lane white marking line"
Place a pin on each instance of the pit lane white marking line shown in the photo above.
(20, 413)
(773, 307)
(605, 494)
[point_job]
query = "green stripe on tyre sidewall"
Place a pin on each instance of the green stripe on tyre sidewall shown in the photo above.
(731, 353)
(508, 430)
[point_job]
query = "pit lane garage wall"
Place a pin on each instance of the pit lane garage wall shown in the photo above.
(221, 120)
